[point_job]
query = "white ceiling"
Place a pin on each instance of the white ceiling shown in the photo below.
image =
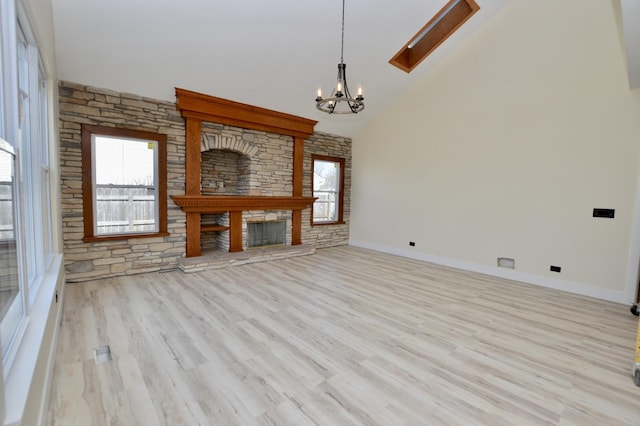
(273, 54)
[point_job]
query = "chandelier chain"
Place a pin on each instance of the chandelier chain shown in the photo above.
(342, 45)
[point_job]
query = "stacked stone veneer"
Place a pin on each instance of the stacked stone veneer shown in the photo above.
(89, 105)
(334, 146)
(224, 173)
(265, 160)
(262, 165)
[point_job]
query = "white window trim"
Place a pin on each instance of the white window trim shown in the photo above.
(21, 384)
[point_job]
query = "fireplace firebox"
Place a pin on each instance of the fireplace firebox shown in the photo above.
(266, 234)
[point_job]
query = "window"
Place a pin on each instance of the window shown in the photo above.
(34, 178)
(30, 260)
(124, 183)
(328, 186)
(11, 303)
(26, 227)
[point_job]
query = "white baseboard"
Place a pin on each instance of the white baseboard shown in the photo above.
(568, 286)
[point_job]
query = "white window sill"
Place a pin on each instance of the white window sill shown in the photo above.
(22, 374)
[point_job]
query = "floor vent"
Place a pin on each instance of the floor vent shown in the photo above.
(102, 354)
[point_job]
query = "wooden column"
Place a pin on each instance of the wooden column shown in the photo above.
(296, 227)
(298, 171)
(192, 183)
(193, 234)
(235, 232)
(192, 157)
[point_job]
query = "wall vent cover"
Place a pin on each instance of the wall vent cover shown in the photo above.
(505, 262)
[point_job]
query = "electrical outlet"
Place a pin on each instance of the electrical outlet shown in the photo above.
(412, 244)
(555, 268)
(606, 213)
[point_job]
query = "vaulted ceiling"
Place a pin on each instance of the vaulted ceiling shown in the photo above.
(273, 54)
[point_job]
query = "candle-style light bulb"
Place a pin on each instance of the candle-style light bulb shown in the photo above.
(319, 92)
(339, 87)
(359, 90)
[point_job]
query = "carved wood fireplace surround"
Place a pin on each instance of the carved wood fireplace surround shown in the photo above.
(196, 108)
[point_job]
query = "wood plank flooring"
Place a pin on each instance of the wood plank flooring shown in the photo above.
(343, 337)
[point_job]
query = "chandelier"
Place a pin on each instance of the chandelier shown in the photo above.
(340, 101)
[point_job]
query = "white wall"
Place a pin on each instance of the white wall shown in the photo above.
(505, 148)
(40, 14)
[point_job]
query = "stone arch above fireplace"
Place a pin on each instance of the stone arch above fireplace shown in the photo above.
(227, 142)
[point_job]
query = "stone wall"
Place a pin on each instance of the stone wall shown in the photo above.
(90, 105)
(224, 172)
(332, 146)
(269, 171)
(264, 166)
(270, 174)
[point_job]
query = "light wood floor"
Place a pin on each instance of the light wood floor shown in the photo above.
(346, 336)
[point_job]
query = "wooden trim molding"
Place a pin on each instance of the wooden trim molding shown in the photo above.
(87, 180)
(218, 110)
(298, 165)
(340, 161)
(193, 157)
(230, 203)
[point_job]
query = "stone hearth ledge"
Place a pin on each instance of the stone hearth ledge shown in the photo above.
(219, 259)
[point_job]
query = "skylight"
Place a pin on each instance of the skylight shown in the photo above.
(435, 32)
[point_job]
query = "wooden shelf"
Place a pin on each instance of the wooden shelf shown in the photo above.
(212, 227)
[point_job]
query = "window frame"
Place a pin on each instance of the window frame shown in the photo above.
(33, 338)
(339, 198)
(88, 131)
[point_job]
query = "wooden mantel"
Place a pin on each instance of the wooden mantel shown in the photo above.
(217, 110)
(196, 108)
(231, 203)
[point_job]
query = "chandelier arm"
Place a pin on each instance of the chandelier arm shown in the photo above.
(331, 105)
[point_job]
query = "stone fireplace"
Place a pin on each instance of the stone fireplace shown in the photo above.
(238, 177)
(83, 260)
(247, 163)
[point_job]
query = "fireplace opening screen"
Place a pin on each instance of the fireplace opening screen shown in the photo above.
(262, 234)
